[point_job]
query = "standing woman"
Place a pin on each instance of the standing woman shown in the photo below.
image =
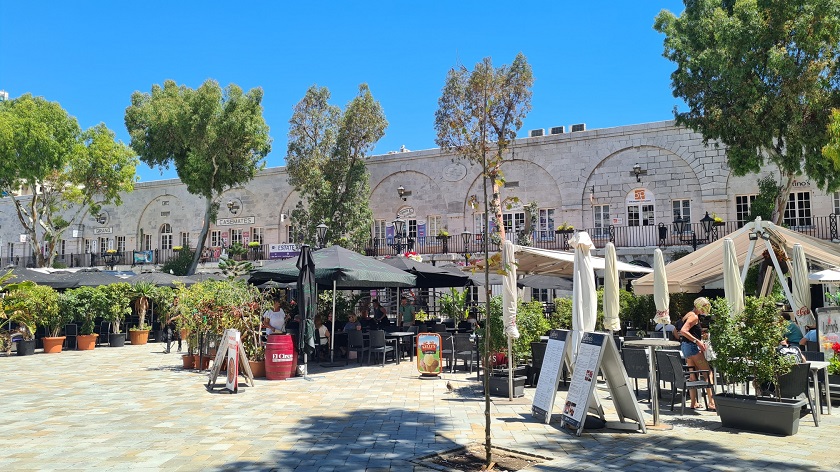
(693, 349)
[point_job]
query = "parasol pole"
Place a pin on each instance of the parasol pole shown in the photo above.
(332, 333)
(510, 368)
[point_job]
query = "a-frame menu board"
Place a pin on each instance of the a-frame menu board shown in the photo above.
(552, 366)
(231, 348)
(597, 352)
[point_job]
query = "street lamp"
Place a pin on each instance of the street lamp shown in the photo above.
(707, 221)
(466, 236)
(321, 230)
(679, 226)
(399, 234)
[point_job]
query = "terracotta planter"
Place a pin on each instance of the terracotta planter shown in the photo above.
(86, 342)
(184, 334)
(257, 368)
(189, 361)
(138, 336)
(53, 345)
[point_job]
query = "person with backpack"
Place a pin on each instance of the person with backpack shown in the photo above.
(692, 347)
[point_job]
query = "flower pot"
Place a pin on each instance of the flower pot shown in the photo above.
(564, 231)
(759, 414)
(53, 345)
(184, 334)
(499, 386)
(26, 348)
(138, 336)
(116, 340)
(188, 360)
(257, 368)
(86, 342)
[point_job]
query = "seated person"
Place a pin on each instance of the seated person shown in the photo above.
(792, 333)
(366, 321)
(669, 329)
(352, 324)
(323, 347)
(785, 349)
(294, 324)
(811, 336)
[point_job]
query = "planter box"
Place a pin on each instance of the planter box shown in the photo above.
(139, 336)
(86, 342)
(759, 414)
(53, 345)
(499, 386)
(26, 348)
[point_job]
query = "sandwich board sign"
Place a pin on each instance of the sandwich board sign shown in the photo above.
(598, 353)
(552, 366)
(231, 348)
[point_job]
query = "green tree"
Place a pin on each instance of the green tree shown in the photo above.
(765, 202)
(216, 138)
(65, 172)
(326, 164)
(762, 78)
(479, 113)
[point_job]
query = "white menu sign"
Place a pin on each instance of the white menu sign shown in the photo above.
(583, 380)
(552, 366)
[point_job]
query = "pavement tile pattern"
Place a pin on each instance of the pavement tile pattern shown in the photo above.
(136, 408)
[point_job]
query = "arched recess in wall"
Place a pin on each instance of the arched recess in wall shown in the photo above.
(426, 198)
(668, 176)
(160, 210)
(286, 206)
(526, 180)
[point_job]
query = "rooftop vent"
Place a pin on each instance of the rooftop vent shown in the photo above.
(578, 127)
(536, 132)
(557, 130)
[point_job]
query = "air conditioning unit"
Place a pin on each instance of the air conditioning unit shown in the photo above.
(536, 132)
(557, 130)
(578, 127)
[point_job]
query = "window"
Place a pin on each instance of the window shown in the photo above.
(682, 209)
(11, 249)
(291, 231)
(235, 236)
(836, 203)
(601, 220)
(121, 244)
(257, 235)
(434, 224)
(546, 223)
(411, 228)
(379, 230)
(513, 222)
(90, 246)
(478, 225)
(61, 247)
(103, 245)
(640, 215)
(147, 242)
(184, 240)
(215, 238)
(743, 206)
(540, 295)
(798, 210)
(166, 236)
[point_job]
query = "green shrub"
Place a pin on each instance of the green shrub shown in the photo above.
(180, 264)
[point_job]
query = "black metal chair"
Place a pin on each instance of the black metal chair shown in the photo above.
(71, 331)
(812, 346)
(795, 383)
(356, 343)
(537, 356)
(103, 332)
(681, 380)
(379, 345)
(464, 350)
(447, 350)
(637, 366)
(814, 356)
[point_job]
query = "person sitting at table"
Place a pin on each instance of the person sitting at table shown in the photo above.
(323, 347)
(352, 324)
(670, 331)
(792, 332)
(366, 321)
(379, 314)
(692, 348)
(811, 336)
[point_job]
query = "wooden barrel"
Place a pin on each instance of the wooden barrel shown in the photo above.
(280, 357)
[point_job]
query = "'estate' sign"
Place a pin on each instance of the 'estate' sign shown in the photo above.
(245, 220)
(282, 251)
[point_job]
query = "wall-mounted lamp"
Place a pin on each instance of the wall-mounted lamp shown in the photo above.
(592, 195)
(233, 207)
(101, 218)
(283, 217)
(403, 193)
(637, 171)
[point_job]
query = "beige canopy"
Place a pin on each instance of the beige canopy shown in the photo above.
(705, 265)
(532, 260)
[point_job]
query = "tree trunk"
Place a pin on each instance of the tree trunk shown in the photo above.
(199, 247)
(782, 199)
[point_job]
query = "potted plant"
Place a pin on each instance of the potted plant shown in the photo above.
(565, 228)
(717, 221)
(443, 237)
(142, 293)
(834, 364)
(498, 353)
(83, 305)
(454, 305)
(118, 306)
(177, 248)
(746, 351)
(43, 302)
(15, 326)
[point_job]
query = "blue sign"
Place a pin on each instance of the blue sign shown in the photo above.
(283, 251)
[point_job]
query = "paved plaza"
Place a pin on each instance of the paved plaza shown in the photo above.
(135, 408)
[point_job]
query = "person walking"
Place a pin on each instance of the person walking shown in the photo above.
(692, 347)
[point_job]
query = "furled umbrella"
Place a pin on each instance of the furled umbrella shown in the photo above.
(307, 302)
(584, 299)
(509, 303)
(801, 293)
(660, 291)
(611, 320)
(733, 287)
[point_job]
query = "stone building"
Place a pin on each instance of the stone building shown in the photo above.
(625, 183)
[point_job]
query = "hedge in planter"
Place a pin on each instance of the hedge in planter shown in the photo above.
(117, 308)
(12, 323)
(83, 305)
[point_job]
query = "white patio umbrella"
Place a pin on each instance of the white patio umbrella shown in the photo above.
(584, 300)
(509, 305)
(801, 293)
(733, 286)
(611, 319)
(660, 290)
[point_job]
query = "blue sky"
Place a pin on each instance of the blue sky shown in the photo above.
(596, 62)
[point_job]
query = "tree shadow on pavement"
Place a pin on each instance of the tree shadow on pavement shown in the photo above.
(365, 438)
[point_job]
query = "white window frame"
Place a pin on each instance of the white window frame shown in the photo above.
(646, 215)
(257, 235)
(545, 224)
(434, 224)
(120, 244)
(836, 203)
(216, 238)
(798, 211)
(601, 220)
(147, 242)
(185, 240)
(235, 236)
(166, 237)
(743, 207)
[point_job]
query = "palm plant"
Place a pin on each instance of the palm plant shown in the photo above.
(142, 292)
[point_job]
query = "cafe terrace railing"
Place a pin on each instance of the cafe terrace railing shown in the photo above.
(661, 235)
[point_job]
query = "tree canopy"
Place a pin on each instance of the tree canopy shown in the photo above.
(216, 138)
(65, 172)
(326, 163)
(762, 78)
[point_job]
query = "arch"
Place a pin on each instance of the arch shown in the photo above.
(426, 198)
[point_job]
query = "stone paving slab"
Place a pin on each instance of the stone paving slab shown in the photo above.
(135, 408)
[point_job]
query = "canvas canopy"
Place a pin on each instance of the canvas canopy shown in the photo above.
(532, 260)
(703, 266)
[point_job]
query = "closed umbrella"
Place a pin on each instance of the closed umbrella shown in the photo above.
(509, 306)
(801, 294)
(307, 302)
(660, 291)
(733, 287)
(611, 319)
(583, 292)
